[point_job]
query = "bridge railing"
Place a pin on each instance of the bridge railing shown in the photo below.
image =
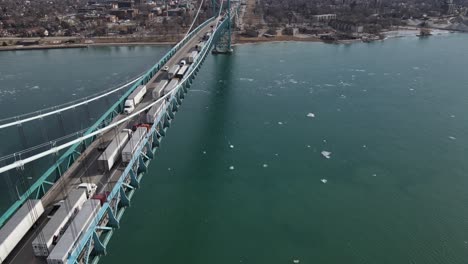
(68, 158)
(118, 193)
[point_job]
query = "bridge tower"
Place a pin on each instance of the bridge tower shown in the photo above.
(223, 45)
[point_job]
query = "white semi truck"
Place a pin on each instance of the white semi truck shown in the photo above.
(134, 99)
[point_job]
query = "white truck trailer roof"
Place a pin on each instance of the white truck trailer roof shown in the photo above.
(77, 228)
(42, 244)
(18, 225)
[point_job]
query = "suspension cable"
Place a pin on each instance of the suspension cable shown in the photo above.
(195, 19)
(61, 108)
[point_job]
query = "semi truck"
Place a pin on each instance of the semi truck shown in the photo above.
(112, 152)
(52, 231)
(182, 71)
(172, 72)
(159, 89)
(132, 144)
(18, 225)
(192, 56)
(150, 116)
(199, 46)
(134, 99)
(171, 86)
(77, 228)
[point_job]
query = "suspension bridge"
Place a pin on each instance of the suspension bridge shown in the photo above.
(69, 214)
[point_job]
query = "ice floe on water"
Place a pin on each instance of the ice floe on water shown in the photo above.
(293, 81)
(265, 165)
(246, 79)
(374, 175)
(343, 96)
(231, 167)
(308, 146)
(326, 154)
(231, 146)
(280, 123)
(311, 115)
(204, 152)
(364, 146)
(281, 60)
(415, 68)
(329, 85)
(35, 87)
(324, 180)
(452, 138)
(269, 94)
(452, 116)
(411, 89)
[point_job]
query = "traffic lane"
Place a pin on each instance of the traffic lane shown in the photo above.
(23, 252)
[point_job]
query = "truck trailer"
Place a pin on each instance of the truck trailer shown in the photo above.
(150, 116)
(77, 228)
(192, 56)
(159, 89)
(18, 225)
(50, 234)
(132, 144)
(112, 152)
(171, 86)
(182, 71)
(134, 99)
(172, 72)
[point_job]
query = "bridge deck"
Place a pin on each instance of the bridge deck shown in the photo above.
(85, 168)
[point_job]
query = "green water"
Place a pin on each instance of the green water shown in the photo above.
(392, 113)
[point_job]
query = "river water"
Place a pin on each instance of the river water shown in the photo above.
(240, 177)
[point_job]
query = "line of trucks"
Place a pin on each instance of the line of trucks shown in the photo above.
(67, 221)
(70, 218)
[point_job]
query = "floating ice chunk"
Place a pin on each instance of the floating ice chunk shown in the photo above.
(375, 175)
(411, 89)
(204, 152)
(310, 115)
(324, 141)
(364, 90)
(452, 116)
(280, 123)
(452, 138)
(231, 146)
(265, 165)
(269, 94)
(308, 146)
(35, 87)
(343, 96)
(231, 167)
(415, 68)
(296, 261)
(168, 169)
(276, 154)
(326, 154)
(324, 180)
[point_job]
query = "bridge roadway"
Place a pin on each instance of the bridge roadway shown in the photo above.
(85, 168)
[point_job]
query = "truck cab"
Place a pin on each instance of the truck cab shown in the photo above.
(129, 106)
(90, 188)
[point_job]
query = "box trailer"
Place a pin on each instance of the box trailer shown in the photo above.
(199, 46)
(112, 152)
(182, 71)
(18, 225)
(50, 234)
(134, 99)
(159, 89)
(150, 116)
(171, 86)
(132, 144)
(172, 72)
(72, 235)
(192, 56)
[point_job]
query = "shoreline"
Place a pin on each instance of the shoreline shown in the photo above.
(237, 40)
